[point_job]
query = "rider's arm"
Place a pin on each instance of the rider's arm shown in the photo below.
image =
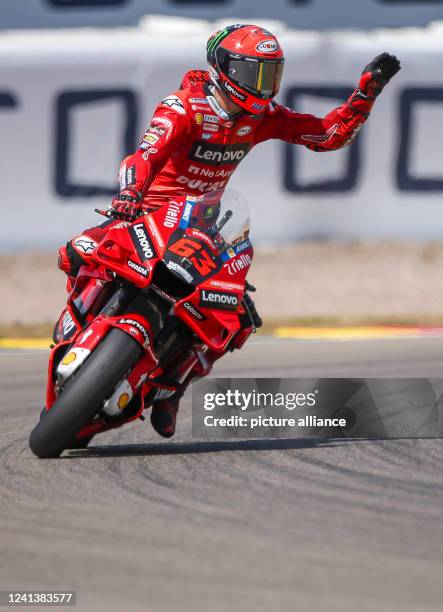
(168, 129)
(329, 133)
(341, 125)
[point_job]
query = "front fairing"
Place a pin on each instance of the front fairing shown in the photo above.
(215, 263)
(212, 256)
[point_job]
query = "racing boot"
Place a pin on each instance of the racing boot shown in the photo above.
(166, 403)
(164, 414)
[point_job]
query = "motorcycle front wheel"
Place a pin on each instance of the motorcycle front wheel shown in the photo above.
(83, 395)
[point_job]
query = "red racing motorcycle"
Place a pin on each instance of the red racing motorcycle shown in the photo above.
(160, 292)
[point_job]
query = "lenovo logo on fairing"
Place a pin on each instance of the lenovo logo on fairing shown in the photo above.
(219, 299)
(219, 155)
(142, 242)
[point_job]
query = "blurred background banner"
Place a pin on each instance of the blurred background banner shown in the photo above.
(312, 14)
(74, 102)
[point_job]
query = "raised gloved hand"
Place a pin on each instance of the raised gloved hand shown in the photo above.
(375, 76)
(127, 204)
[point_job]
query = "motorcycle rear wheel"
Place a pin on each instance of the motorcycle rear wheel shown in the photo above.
(84, 394)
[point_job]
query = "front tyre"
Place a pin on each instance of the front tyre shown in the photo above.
(84, 394)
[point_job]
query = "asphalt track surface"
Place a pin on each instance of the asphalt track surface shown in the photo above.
(140, 524)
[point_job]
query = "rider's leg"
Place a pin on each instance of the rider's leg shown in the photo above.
(71, 258)
(164, 410)
(77, 251)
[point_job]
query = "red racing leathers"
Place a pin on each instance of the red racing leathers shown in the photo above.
(193, 146)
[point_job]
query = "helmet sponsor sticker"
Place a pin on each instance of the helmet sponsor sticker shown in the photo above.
(237, 94)
(142, 242)
(245, 130)
(175, 103)
(267, 46)
(219, 300)
(218, 155)
(258, 107)
(213, 72)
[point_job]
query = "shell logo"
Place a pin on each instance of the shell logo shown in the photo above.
(198, 118)
(70, 358)
(123, 401)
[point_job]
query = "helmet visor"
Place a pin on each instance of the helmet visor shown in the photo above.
(261, 77)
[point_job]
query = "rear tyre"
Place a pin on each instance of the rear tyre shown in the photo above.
(84, 394)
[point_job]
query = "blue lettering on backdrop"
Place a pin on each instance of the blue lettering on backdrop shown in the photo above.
(409, 100)
(64, 187)
(8, 99)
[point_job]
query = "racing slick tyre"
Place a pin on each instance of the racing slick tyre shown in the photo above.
(84, 394)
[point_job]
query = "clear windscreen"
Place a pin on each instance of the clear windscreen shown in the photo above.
(210, 228)
(222, 215)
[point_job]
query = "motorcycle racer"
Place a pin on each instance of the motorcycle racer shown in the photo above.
(199, 134)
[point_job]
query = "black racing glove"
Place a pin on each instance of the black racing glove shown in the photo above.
(127, 204)
(377, 74)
